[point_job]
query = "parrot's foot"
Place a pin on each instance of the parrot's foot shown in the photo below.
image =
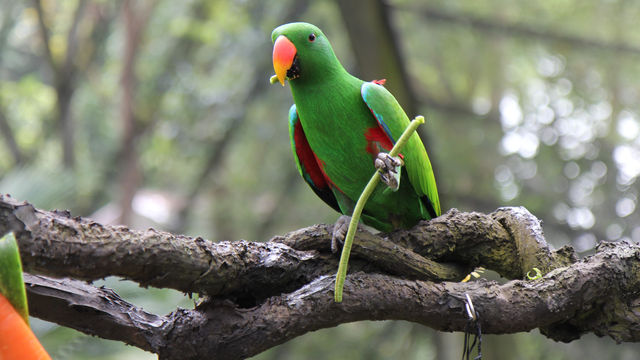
(389, 168)
(339, 232)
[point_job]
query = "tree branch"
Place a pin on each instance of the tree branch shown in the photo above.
(514, 29)
(54, 243)
(508, 241)
(95, 311)
(562, 297)
(263, 294)
(565, 303)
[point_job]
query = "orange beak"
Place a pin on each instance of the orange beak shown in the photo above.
(283, 53)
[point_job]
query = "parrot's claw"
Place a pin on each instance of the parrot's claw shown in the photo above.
(389, 168)
(339, 232)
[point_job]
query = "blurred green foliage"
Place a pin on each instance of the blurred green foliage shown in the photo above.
(532, 103)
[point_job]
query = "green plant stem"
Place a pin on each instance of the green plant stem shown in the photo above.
(357, 211)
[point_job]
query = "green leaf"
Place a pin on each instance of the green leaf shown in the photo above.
(11, 283)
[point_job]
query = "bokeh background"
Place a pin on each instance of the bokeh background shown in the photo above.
(159, 113)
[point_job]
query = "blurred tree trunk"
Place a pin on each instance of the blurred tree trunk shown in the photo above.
(64, 72)
(135, 20)
(79, 54)
(7, 134)
(8, 21)
(376, 49)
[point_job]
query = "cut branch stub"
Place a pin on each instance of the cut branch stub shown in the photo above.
(527, 236)
(470, 238)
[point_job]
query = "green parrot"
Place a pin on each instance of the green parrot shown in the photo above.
(341, 129)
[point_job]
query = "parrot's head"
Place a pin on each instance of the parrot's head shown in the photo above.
(302, 51)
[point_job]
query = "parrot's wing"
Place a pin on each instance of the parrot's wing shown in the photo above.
(393, 120)
(306, 161)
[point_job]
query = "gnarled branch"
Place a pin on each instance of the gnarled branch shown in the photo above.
(263, 294)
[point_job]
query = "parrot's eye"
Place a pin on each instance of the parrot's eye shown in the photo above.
(312, 37)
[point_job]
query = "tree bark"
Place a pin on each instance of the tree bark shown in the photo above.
(263, 294)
